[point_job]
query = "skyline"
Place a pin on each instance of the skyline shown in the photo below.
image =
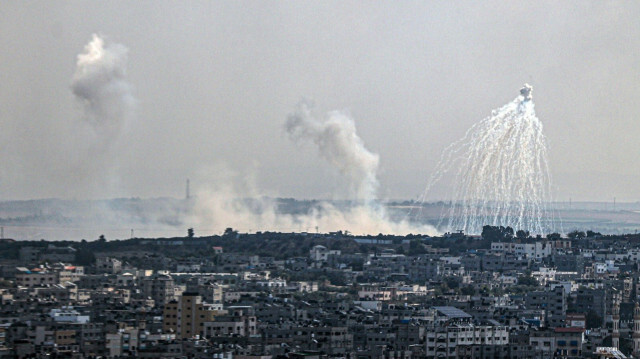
(214, 83)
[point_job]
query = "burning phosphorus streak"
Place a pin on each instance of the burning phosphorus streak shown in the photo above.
(500, 170)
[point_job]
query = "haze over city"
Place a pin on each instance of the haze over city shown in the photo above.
(212, 84)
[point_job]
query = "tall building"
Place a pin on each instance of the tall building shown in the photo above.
(160, 288)
(553, 302)
(187, 315)
(636, 331)
(615, 334)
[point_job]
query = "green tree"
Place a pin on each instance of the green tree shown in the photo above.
(593, 320)
(528, 281)
(468, 290)
(416, 247)
(591, 234)
(496, 233)
(576, 234)
(85, 257)
(229, 232)
(452, 282)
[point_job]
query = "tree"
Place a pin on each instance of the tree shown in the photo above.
(593, 320)
(554, 236)
(527, 280)
(576, 234)
(496, 233)
(416, 247)
(522, 234)
(85, 257)
(452, 282)
(190, 233)
(468, 290)
(229, 232)
(591, 234)
(508, 232)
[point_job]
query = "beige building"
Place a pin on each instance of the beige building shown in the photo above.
(66, 341)
(187, 316)
(238, 321)
(160, 288)
(34, 278)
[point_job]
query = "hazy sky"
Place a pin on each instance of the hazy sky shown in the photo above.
(214, 83)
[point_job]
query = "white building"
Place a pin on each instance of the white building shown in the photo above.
(537, 250)
(443, 341)
(68, 315)
(320, 253)
(450, 260)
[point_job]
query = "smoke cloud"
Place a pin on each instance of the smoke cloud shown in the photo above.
(100, 85)
(223, 202)
(338, 143)
(229, 201)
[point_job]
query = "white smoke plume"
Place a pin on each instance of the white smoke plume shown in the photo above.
(100, 85)
(338, 143)
(228, 201)
(221, 204)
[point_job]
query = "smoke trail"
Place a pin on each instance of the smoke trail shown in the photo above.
(100, 85)
(339, 144)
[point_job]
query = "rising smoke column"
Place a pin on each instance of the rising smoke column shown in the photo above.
(100, 85)
(220, 204)
(337, 140)
(501, 174)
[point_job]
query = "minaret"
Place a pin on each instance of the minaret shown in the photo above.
(615, 335)
(636, 331)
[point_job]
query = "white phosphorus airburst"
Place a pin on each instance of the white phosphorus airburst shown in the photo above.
(500, 170)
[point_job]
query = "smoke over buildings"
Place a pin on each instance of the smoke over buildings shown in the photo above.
(337, 141)
(100, 85)
(101, 88)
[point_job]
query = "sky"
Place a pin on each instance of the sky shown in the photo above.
(212, 84)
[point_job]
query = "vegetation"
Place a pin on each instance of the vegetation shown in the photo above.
(496, 233)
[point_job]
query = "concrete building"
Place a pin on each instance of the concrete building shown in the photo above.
(320, 253)
(160, 288)
(35, 277)
(108, 265)
(553, 302)
(186, 316)
(239, 321)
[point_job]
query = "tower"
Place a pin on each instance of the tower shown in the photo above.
(615, 334)
(636, 330)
